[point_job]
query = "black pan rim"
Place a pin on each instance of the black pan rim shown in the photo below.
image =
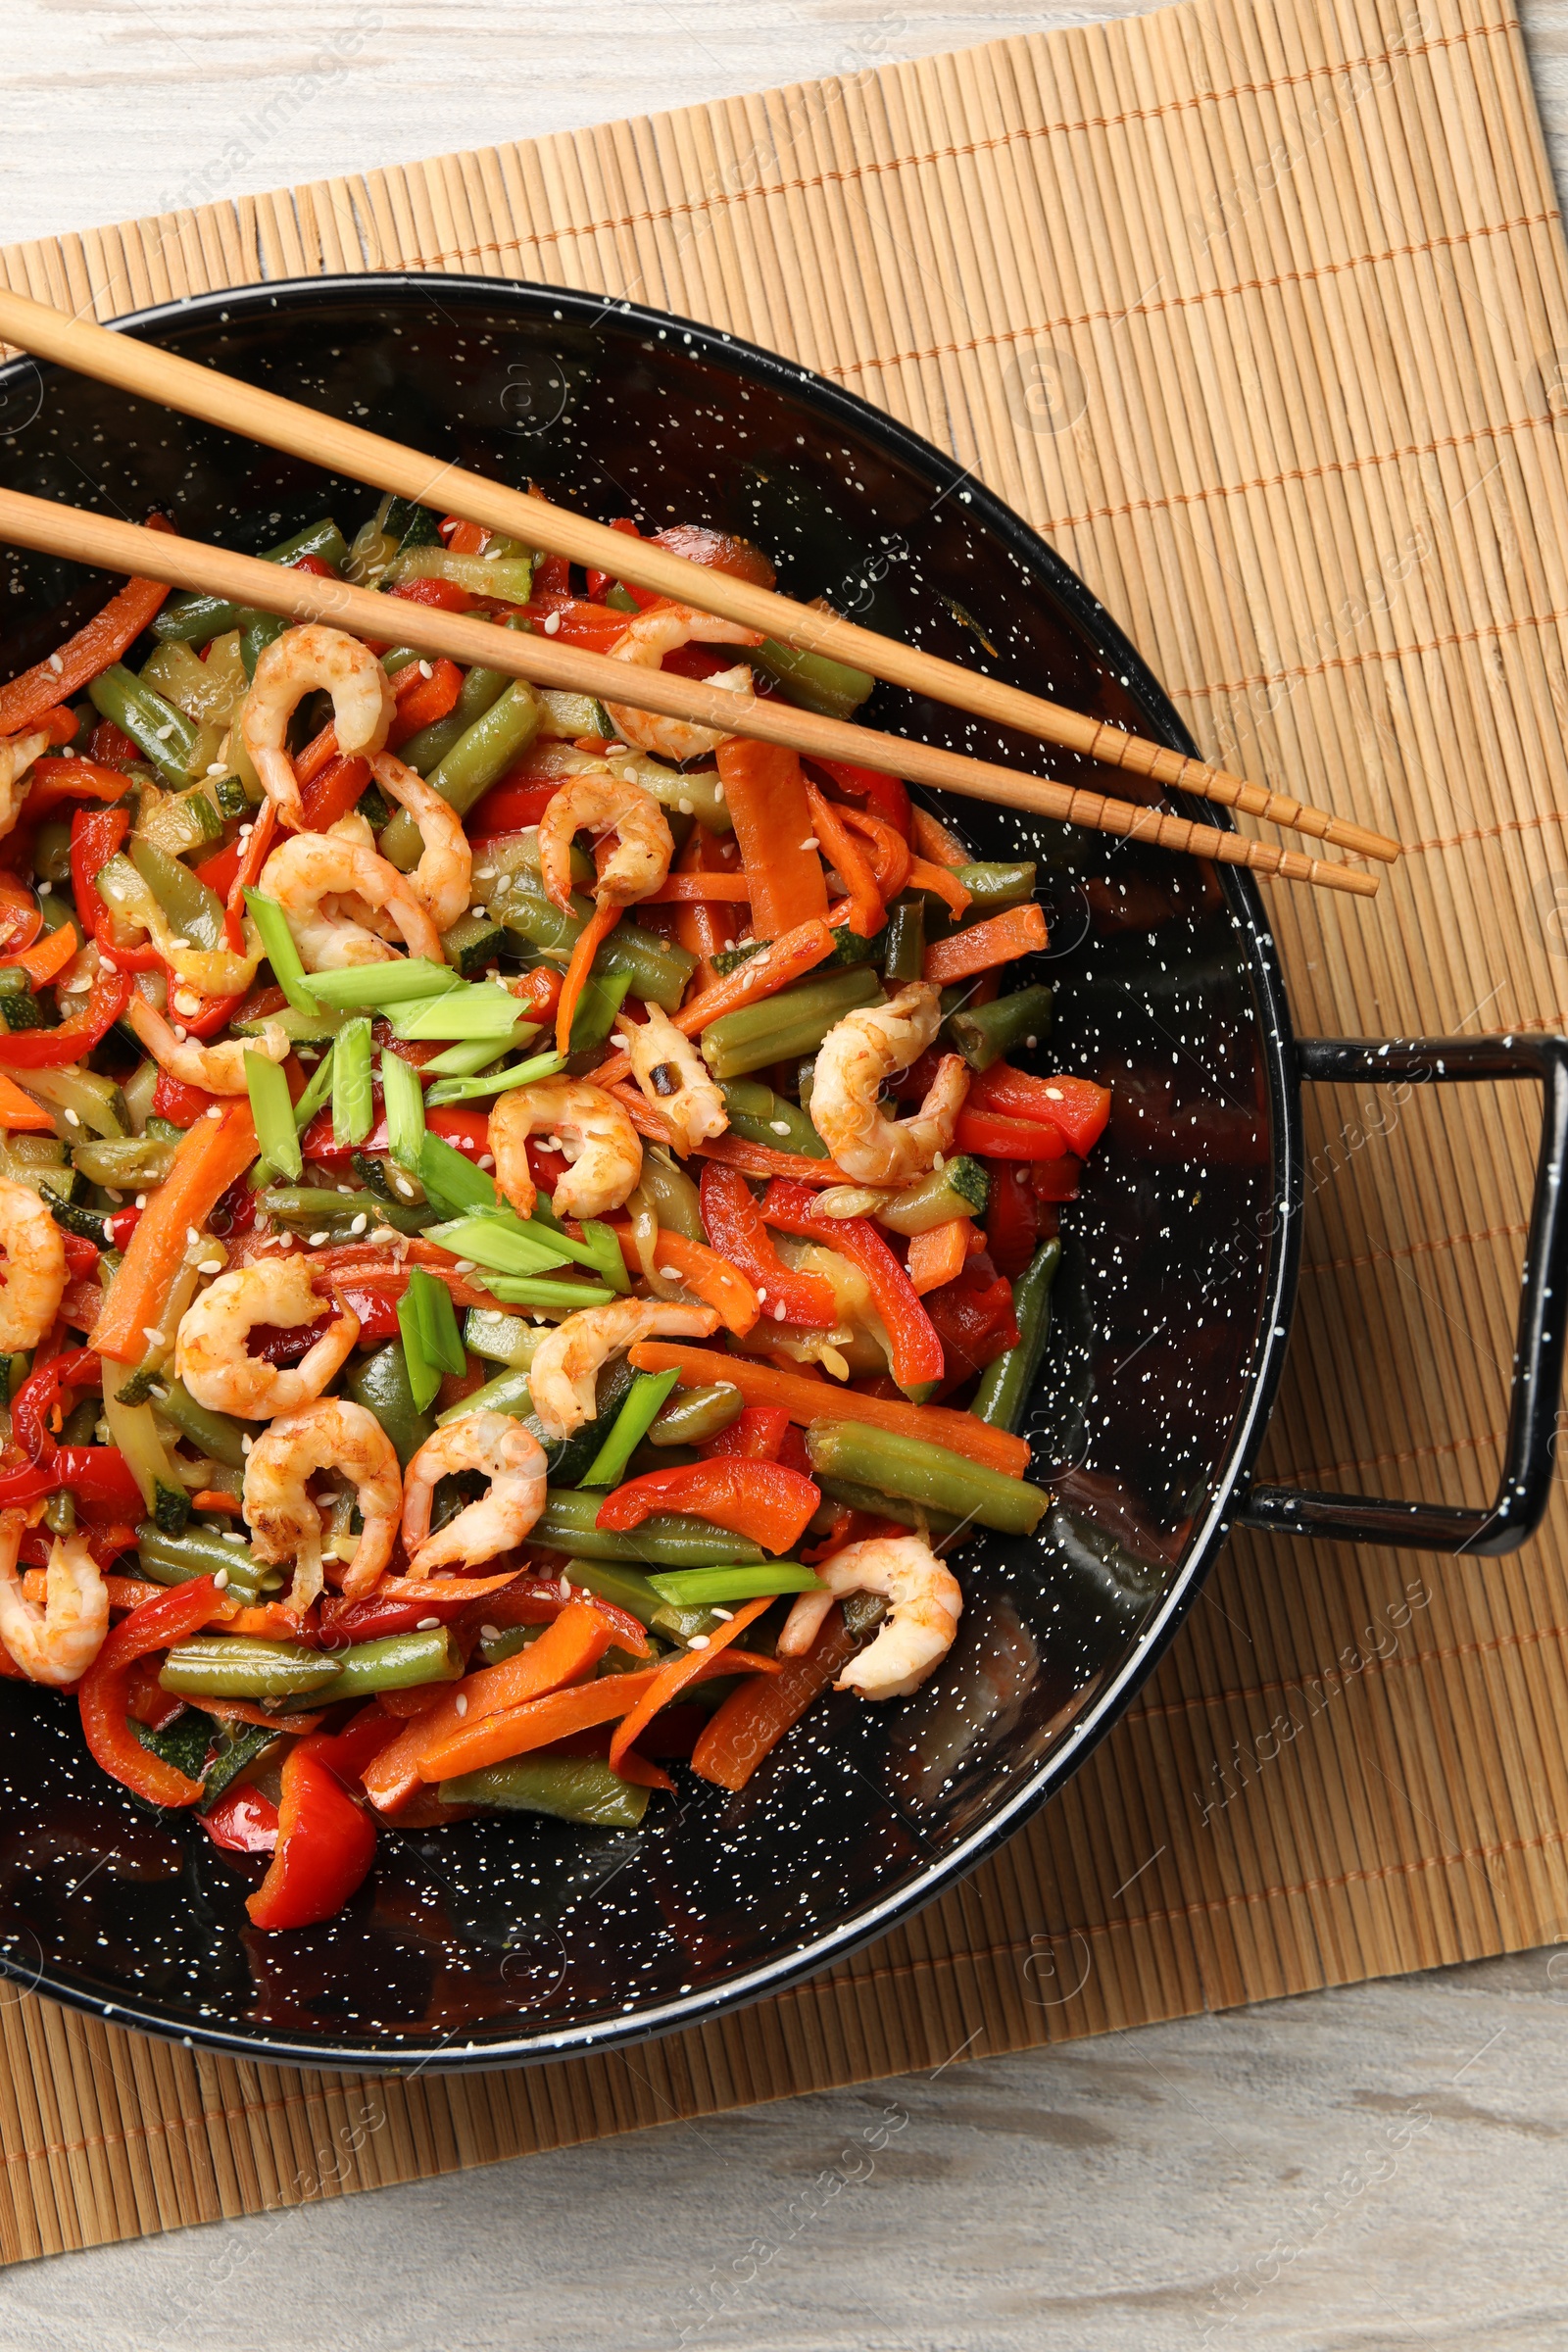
(1037, 556)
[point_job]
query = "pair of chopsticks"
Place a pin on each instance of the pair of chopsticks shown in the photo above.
(335, 446)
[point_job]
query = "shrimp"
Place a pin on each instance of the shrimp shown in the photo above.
(60, 1644)
(925, 1602)
(673, 1075)
(662, 629)
(510, 1457)
(210, 1351)
(310, 867)
(32, 1279)
(565, 1363)
(16, 755)
(444, 876)
(601, 1143)
(294, 665)
(604, 805)
(853, 1061)
(286, 1525)
(216, 1069)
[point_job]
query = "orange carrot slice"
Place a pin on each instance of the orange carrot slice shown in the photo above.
(938, 1257)
(213, 1154)
(1001, 939)
(706, 1274)
(933, 840)
(20, 1113)
(594, 932)
(669, 1680)
(765, 794)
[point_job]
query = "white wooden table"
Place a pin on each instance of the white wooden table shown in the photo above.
(1378, 2168)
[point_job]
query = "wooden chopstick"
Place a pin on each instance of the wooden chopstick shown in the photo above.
(341, 447)
(127, 547)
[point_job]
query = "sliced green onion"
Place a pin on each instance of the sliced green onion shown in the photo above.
(563, 1297)
(404, 1098)
(603, 1252)
(451, 1181)
(632, 1424)
(282, 953)
(406, 980)
(317, 1092)
(709, 1588)
(467, 1060)
(353, 1103)
(424, 1380)
(493, 1082)
(274, 1113)
(596, 1009)
(440, 1341)
(465, 1012)
(501, 1241)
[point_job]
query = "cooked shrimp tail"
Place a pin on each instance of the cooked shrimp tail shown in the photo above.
(502, 1452)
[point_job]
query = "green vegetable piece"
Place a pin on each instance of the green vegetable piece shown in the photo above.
(380, 986)
(277, 940)
(696, 1413)
(961, 1189)
(404, 1099)
(597, 1008)
(439, 1337)
(424, 1379)
(277, 1135)
(1004, 1385)
(396, 1662)
(577, 1788)
(632, 1424)
(235, 1666)
(239, 1745)
(564, 1297)
(318, 1088)
(812, 680)
(760, 1116)
(502, 1339)
(716, 1587)
(451, 1181)
(878, 1505)
(668, 1540)
(492, 1081)
(426, 749)
(162, 734)
(353, 1103)
(629, 1588)
(904, 956)
(502, 1243)
(193, 619)
(474, 942)
(466, 1011)
(175, 1559)
(991, 887)
(925, 1473)
(219, 1437)
(984, 1033)
(507, 1392)
(795, 1021)
(184, 1743)
(382, 1383)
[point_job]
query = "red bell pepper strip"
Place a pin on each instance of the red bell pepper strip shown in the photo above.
(21, 917)
(511, 806)
(326, 1844)
(758, 1499)
(735, 1228)
(1077, 1107)
(917, 1347)
(111, 746)
(973, 1317)
(52, 782)
(96, 834)
(1013, 1216)
(746, 1725)
(989, 1135)
(755, 1435)
(432, 697)
(242, 1822)
(28, 700)
(884, 796)
(445, 595)
(47, 957)
(55, 1048)
(105, 1689)
(180, 1104)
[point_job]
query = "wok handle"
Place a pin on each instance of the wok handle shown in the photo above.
(1525, 1489)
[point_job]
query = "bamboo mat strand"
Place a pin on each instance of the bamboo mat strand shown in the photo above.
(1260, 313)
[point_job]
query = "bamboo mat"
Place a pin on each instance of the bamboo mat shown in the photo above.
(1263, 317)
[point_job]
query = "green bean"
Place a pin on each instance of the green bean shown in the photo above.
(397, 1662)
(165, 735)
(855, 1497)
(921, 1472)
(258, 630)
(670, 1193)
(507, 1392)
(577, 1789)
(623, 1586)
(904, 958)
(961, 1189)
(308, 1206)
(666, 1540)
(795, 1021)
(222, 1439)
(660, 970)
(192, 619)
(760, 1116)
(685, 1624)
(991, 887)
(696, 1413)
(712, 1588)
(380, 1383)
(198, 1551)
(235, 1666)
(1006, 1382)
(812, 680)
(482, 753)
(984, 1033)
(479, 689)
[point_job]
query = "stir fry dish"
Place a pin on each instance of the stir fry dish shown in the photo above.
(527, 1226)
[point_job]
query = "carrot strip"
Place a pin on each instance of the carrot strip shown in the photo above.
(763, 974)
(746, 1725)
(891, 860)
(682, 888)
(933, 840)
(710, 1276)
(765, 794)
(675, 1673)
(941, 880)
(807, 1400)
(566, 1650)
(212, 1154)
(849, 863)
(47, 955)
(938, 1257)
(125, 1591)
(594, 931)
(705, 927)
(248, 873)
(1001, 939)
(541, 1722)
(212, 1499)
(28, 700)
(20, 1113)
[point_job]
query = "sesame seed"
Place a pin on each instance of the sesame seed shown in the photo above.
(141, 1200)
(209, 1265)
(56, 664)
(489, 1633)
(779, 1126)
(698, 1642)
(232, 1534)
(810, 842)
(485, 873)
(1054, 1092)
(215, 1112)
(45, 890)
(191, 1233)
(220, 1580)
(461, 1704)
(163, 734)
(216, 768)
(726, 1614)
(670, 1273)
(485, 1160)
(477, 911)
(685, 805)
(565, 1588)
(317, 1239)
(778, 1310)
(403, 1187)
(426, 1625)
(181, 1036)
(464, 1265)
(153, 1336)
(245, 1444)
(938, 1162)
(762, 1292)
(552, 624)
(73, 1118)
(360, 1223)
(106, 964)
(425, 671)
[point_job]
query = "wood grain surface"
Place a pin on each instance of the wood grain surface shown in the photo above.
(1376, 2167)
